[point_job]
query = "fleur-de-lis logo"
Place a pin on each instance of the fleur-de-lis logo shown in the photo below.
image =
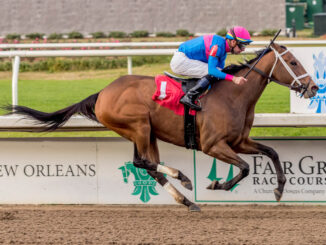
(144, 183)
(319, 101)
(213, 174)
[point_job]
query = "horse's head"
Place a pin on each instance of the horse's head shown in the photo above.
(288, 71)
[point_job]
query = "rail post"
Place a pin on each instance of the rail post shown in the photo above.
(129, 65)
(15, 72)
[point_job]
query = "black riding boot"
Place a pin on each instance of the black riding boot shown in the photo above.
(190, 97)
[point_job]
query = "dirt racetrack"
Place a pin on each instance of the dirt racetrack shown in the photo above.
(116, 224)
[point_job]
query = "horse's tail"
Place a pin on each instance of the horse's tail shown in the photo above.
(56, 119)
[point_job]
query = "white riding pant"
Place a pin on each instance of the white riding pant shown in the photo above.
(182, 65)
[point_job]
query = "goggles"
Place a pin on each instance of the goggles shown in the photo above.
(241, 45)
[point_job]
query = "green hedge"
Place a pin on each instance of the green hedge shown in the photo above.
(251, 32)
(98, 34)
(54, 36)
(117, 34)
(268, 32)
(141, 33)
(75, 34)
(13, 36)
(81, 64)
(222, 32)
(183, 33)
(165, 34)
(35, 35)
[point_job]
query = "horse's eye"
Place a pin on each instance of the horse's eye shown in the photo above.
(293, 63)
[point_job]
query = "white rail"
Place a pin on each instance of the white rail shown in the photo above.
(138, 44)
(289, 120)
(79, 123)
(89, 45)
(84, 53)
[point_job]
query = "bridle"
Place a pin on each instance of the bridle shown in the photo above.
(296, 85)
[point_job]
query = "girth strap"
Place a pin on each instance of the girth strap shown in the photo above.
(189, 120)
(190, 129)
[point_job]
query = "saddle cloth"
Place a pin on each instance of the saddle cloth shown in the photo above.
(168, 94)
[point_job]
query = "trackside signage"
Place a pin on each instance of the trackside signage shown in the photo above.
(100, 171)
(314, 61)
(304, 164)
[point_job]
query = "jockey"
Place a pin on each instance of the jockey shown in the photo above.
(204, 57)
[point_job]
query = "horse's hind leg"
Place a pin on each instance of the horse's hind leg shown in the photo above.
(156, 166)
(223, 152)
(153, 157)
(137, 129)
(175, 173)
(251, 147)
(159, 177)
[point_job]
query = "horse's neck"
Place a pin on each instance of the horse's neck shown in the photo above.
(245, 97)
(255, 86)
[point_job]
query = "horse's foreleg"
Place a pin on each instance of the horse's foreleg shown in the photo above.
(251, 147)
(223, 152)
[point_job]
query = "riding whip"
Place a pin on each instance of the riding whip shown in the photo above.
(263, 53)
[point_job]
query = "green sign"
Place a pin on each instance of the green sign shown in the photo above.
(144, 183)
(213, 174)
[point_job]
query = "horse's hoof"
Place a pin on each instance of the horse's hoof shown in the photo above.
(213, 185)
(194, 208)
(187, 185)
(278, 195)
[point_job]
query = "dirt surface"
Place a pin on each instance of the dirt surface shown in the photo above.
(116, 224)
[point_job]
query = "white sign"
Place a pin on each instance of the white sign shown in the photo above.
(303, 162)
(100, 171)
(314, 61)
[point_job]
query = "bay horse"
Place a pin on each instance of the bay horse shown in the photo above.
(126, 107)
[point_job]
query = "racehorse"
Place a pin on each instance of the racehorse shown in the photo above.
(126, 107)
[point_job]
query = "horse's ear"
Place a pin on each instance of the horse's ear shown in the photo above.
(274, 45)
(277, 47)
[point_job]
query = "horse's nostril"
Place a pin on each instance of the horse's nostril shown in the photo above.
(315, 88)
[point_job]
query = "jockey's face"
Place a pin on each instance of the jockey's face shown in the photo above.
(235, 47)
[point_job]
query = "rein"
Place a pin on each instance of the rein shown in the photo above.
(260, 72)
(296, 85)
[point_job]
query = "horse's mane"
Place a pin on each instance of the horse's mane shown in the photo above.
(233, 68)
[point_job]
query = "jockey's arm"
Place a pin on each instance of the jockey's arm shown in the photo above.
(214, 63)
(214, 71)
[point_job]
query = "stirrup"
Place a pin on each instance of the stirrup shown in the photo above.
(189, 103)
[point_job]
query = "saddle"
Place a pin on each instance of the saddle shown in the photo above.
(189, 120)
(186, 83)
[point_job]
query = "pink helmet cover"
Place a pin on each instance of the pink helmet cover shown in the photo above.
(241, 33)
